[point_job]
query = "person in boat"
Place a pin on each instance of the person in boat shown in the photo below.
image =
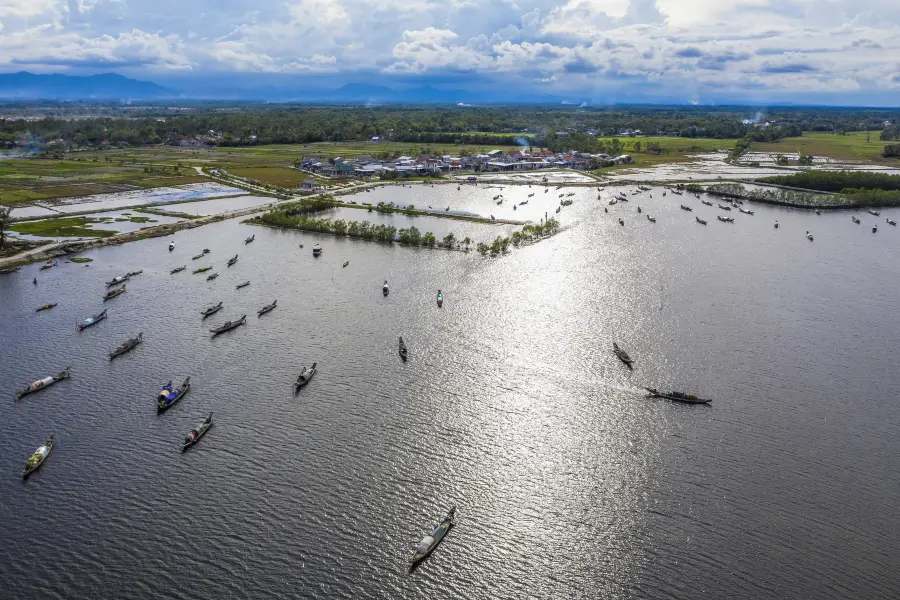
(35, 281)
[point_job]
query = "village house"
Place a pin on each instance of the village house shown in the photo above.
(308, 185)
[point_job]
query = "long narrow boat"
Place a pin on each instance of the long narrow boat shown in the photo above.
(91, 321)
(46, 307)
(46, 382)
(891, 222)
(385, 290)
(267, 309)
(402, 349)
(345, 264)
(202, 270)
(677, 396)
(50, 265)
(440, 298)
(135, 273)
(198, 257)
(701, 221)
(250, 239)
(232, 261)
(724, 207)
(623, 356)
(114, 293)
(651, 219)
(118, 280)
(127, 346)
(687, 208)
(168, 395)
(228, 326)
(178, 270)
(9, 271)
(306, 373)
(745, 211)
(431, 541)
(38, 458)
(196, 433)
(725, 219)
(855, 220)
(242, 285)
(706, 202)
(874, 212)
(211, 310)
(213, 276)
(317, 250)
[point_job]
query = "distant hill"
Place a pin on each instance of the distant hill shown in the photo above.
(28, 86)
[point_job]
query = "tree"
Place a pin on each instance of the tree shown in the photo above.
(429, 240)
(449, 240)
(466, 242)
(5, 212)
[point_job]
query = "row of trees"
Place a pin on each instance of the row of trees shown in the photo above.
(529, 233)
(836, 181)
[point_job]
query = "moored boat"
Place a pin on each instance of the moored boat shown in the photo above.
(46, 382)
(46, 307)
(198, 257)
(178, 270)
(891, 222)
(874, 212)
(677, 396)
(38, 458)
(171, 246)
(622, 355)
(724, 207)
(50, 264)
(651, 219)
(135, 273)
(168, 395)
(118, 280)
(196, 433)
(402, 349)
(776, 224)
(725, 219)
(267, 309)
(431, 541)
(385, 289)
(701, 221)
(809, 236)
(213, 276)
(250, 239)
(127, 346)
(440, 298)
(91, 321)
(242, 285)
(317, 250)
(306, 373)
(345, 264)
(114, 293)
(211, 310)
(687, 208)
(233, 260)
(228, 326)
(745, 211)
(706, 202)
(202, 270)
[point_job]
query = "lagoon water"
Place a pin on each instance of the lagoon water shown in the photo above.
(568, 482)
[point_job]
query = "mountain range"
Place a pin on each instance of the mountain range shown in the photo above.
(28, 86)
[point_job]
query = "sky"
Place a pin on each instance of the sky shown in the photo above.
(691, 51)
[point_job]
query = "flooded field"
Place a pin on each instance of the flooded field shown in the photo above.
(113, 221)
(215, 207)
(553, 177)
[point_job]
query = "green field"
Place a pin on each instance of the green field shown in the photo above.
(62, 227)
(285, 177)
(852, 146)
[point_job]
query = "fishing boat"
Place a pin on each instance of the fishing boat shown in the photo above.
(242, 285)
(50, 264)
(440, 298)
(202, 270)
(623, 356)
(725, 219)
(9, 271)
(745, 211)
(211, 310)
(127, 346)
(613, 202)
(250, 239)
(639, 210)
(809, 236)
(168, 395)
(345, 264)
(91, 321)
(171, 246)
(317, 250)
(818, 212)
(701, 221)
(135, 273)
(875, 229)
(622, 199)
(46, 382)
(651, 219)
(38, 458)
(621, 222)
(267, 309)
(890, 222)
(385, 290)
(431, 541)
(402, 349)
(232, 261)
(196, 433)
(228, 326)
(706, 202)
(118, 280)
(114, 293)
(855, 220)
(306, 373)
(178, 270)
(875, 212)
(46, 307)
(677, 396)
(530, 195)
(213, 276)
(198, 257)
(776, 224)
(558, 208)
(724, 207)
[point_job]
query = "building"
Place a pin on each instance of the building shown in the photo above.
(308, 185)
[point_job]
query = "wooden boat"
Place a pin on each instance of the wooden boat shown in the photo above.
(706, 202)
(317, 250)
(890, 222)
(211, 310)
(168, 395)
(306, 373)
(687, 208)
(558, 208)
(524, 202)
(440, 298)
(855, 220)
(178, 270)
(431, 541)
(621, 222)
(724, 207)
(385, 290)
(623, 356)
(613, 202)
(874, 212)
(198, 257)
(818, 212)
(530, 195)
(9, 271)
(135, 273)
(46, 307)
(267, 309)
(171, 246)
(242, 285)
(250, 239)
(202, 270)
(875, 229)
(725, 219)
(196, 433)
(118, 280)
(91, 321)
(745, 211)
(651, 219)
(50, 265)
(402, 349)
(776, 224)
(46, 382)
(114, 293)
(345, 264)
(228, 326)
(701, 221)
(809, 236)
(213, 276)
(38, 458)
(677, 396)
(232, 261)
(127, 346)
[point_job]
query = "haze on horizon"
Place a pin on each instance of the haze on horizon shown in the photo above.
(700, 51)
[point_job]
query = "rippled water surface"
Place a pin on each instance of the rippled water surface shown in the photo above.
(568, 482)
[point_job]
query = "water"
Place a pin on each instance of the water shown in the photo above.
(569, 483)
(117, 226)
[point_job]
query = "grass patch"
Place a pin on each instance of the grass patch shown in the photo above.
(280, 176)
(62, 227)
(81, 259)
(852, 146)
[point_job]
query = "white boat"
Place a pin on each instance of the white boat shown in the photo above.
(171, 246)
(317, 250)
(385, 289)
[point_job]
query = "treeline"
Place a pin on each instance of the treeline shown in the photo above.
(847, 198)
(836, 181)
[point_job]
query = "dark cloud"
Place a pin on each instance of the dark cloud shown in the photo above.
(690, 52)
(780, 51)
(789, 68)
(579, 65)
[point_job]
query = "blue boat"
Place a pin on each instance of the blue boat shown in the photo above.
(168, 395)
